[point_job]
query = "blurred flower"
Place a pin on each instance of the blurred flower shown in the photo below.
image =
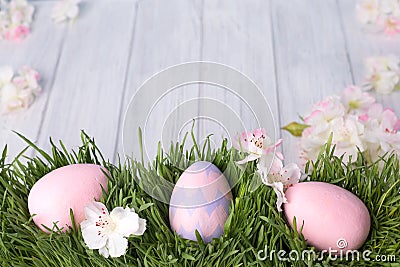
(391, 25)
(66, 10)
(107, 232)
(18, 92)
(380, 15)
(383, 73)
(368, 11)
(15, 19)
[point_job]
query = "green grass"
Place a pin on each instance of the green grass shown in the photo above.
(253, 224)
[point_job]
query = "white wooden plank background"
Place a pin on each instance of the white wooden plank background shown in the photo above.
(296, 51)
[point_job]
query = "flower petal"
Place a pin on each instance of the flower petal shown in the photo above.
(91, 236)
(290, 174)
(104, 251)
(250, 157)
(94, 209)
(142, 227)
(117, 245)
(280, 195)
(126, 220)
(6, 74)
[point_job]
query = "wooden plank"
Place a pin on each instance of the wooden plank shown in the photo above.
(167, 33)
(89, 84)
(362, 44)
(311, 60)
(238, 34)
(41, 51)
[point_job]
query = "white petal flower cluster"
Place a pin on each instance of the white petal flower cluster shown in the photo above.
(66, 10)
(18, 91)
(380, 15)
(356, 123)
(15, 19)
(383, 74)
(259, 147)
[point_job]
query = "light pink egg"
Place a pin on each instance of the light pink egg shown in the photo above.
(200, 201)
(333, 217)
(69, 187)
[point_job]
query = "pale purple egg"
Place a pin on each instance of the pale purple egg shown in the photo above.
(333, 217)
(69, 187)
(200, 201)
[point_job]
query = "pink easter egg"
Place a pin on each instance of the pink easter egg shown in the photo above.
(69, 187)
(333, 217)
(200, 201)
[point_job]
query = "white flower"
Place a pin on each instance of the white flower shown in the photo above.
(273, 174)
(383, 73)
(381, 132)
(354, 99)
(15, 19)
(346, 132)
(368, 11)
(390, 7)
(347, 136)
(107, 232)
(325, 111)
(6, 75)
(256, 143)
(66, 10)
(313, 139)
(18, 92)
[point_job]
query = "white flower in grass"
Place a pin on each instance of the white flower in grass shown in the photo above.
(273, 174)
(255, 143)
(66, 10)
(107, 232)
(383, 73)
(347, 133)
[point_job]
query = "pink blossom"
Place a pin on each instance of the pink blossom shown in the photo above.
(17, 34)
(353, 98)
(18, 92)
(256, 144)
(391, 25)
(325, 110)
(15, 19)
(280, 178)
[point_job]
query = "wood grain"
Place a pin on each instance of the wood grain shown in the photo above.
(234, 36)
(297, 52)
(41, 51)
(362, 44)
(167, 33)
(89, 82)
(311, 61)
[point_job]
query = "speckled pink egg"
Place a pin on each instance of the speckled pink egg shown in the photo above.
(333, 217)
(69, 187)
(200, 201)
